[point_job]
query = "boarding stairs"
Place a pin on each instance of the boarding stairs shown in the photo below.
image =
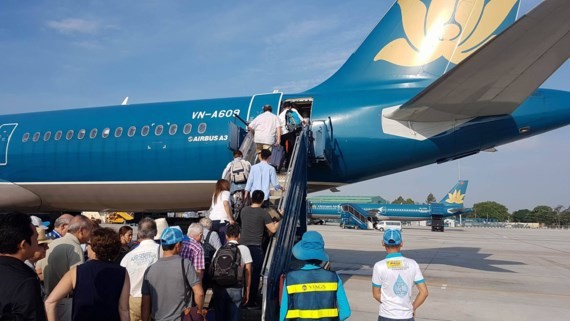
(292, 204)
(353, 216)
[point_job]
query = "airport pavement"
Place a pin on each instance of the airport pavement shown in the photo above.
(473, 274)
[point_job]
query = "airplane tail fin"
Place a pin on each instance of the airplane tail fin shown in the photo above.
(417, 41)
(456, 194)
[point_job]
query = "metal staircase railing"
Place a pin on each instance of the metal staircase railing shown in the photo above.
(358, 215)
(293, 206)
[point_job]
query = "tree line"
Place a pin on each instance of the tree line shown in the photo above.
(490, 210)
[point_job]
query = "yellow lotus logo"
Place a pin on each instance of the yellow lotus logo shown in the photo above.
(455, 197)
(444, 30)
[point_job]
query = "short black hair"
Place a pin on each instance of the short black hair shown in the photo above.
(238, 153)
(233, 231)
(14, 228)
(168, 247)
(265, 153)
(257, 197)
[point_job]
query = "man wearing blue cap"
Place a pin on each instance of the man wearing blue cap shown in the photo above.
(392, 281)
(313, 293)
(163, 289)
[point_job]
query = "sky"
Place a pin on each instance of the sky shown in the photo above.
(61, 54)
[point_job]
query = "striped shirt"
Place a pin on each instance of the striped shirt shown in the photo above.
(193, 251)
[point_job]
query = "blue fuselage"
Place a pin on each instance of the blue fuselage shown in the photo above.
(190, 153)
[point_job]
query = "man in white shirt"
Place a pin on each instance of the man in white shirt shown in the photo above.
(392, 281)
(266, 129)
(137, 261)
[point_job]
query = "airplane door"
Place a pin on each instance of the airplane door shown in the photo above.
(6, 132)
(260, 100)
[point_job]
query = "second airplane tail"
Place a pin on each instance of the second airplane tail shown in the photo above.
(456, 195)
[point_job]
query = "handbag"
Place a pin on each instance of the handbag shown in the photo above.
(189, 313)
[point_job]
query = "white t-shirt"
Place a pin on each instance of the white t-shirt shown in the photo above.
(218, 212)
(396, 275)
(137, 261)
(265, 128)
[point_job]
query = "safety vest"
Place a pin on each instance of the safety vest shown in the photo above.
(312, 295)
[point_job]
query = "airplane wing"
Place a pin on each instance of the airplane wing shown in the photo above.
(497, 78)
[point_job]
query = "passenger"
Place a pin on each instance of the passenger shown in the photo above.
(210, 244)
(126, 235)
(100, 287)
(236, 172)
(392, 281)
(288, 131)
(63, 254)
(312, 292)
(138, 260)
(262, 177)
(192, 248)
(254, 221)
(266, 129)
(20, 294)
(220, 211)
(40, 253)
(227, 299)
(162, 290)
(60, 226)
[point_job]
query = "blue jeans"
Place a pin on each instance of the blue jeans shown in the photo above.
(226, 303)
(221, 229)
(256, 264)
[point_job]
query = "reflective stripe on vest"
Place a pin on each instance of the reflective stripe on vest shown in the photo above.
(312, 287)
(312, 314)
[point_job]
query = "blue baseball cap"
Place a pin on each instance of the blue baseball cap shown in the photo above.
(171, 236)
(311, 247)
(392, 237)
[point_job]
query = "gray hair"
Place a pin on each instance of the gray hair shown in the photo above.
(63, 219)
(206, 222)
(195, 229)
(147, 229)
(78, 222)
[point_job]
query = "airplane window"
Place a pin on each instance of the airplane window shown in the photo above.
(118, 131)
(69, 134)
(58, 135)
(36, 137)
(173, 129)
(25, 137)
(145, 130)
(132, 131)
(202, 128)
(93, 133)
(81, 134)
(105, 132)
(187, 129)
(158, 130)
(47, 135)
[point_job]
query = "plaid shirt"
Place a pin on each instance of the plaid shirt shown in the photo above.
(193, 251)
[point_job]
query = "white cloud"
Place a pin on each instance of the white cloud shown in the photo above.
(73, 25)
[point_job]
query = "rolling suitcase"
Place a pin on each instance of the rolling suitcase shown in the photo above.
(277, 153)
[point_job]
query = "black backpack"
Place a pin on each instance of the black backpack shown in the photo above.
(209, 249)
(226, 269)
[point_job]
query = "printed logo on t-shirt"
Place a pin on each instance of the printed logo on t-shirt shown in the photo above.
(400, 287)
(396, 265)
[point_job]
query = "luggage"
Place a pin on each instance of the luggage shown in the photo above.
(226, 269)
(277, 153)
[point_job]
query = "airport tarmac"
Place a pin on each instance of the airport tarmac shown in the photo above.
(473, 274)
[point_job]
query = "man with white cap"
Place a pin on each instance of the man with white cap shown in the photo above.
(313, 292)
(392, 281)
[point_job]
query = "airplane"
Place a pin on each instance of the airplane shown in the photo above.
(434, 82)
(450, 205)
